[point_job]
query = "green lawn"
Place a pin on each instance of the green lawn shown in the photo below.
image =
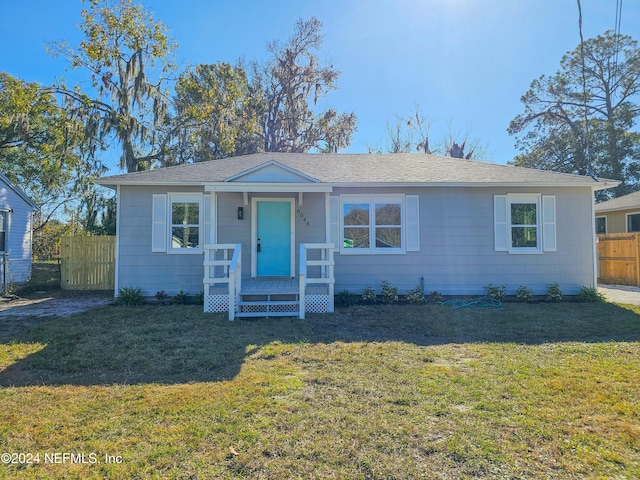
(531, 391)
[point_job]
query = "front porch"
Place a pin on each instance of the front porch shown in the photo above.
(226, 290)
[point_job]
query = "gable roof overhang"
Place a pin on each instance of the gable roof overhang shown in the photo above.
(18, 191)
(323, 172)
(630, 201)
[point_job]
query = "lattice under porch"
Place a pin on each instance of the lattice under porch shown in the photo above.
(270, 297)
(227, 291)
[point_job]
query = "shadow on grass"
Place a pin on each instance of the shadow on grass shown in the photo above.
(179, 344)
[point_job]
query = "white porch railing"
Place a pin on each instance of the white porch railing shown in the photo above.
(323, 269)
(223, 268)
(222, 265)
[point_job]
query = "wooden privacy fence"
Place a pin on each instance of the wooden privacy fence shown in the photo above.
(88, 263)
(619, 258)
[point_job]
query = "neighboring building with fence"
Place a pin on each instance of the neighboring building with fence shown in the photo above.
(16, 226)
(619, 215)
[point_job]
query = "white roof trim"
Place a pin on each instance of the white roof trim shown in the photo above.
(267, 187)
(595, 186)
(292, 171)
(18, 191)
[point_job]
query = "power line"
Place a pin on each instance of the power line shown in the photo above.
(616, 36)
(587, 157)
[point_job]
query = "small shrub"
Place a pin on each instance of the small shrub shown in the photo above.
(434, 297)
(590, 294)
(524, 294)
(345, 299)
(554, 294)
(389, 293)
(415, 296)
(368, 296)
(162, 296)
(198, 298)
(497, 292)
(130, 296)
(180, 298)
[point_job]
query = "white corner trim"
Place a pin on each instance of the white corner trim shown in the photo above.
(116, 287)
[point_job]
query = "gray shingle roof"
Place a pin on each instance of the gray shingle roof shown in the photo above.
(626, 202)
(418, 169)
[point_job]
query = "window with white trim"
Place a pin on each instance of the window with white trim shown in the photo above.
(3, 231)
(185, 231)
(601, 225)
(633, 222)
(372, 224)
(525, 223)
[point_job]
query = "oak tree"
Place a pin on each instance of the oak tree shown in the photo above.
(290, 84)
(126, 55)
(216, 115)
(43, 149)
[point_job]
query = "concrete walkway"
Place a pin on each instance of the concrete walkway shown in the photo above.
(620, 293)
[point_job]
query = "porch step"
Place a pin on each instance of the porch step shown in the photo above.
(264, 291)
(268, 314)
(267, 303)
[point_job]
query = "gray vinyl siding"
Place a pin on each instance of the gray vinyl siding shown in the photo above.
(309, 222)
(19, 240)
(457, 253)
(138, 266)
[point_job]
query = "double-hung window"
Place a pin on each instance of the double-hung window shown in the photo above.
(185, 232)
(372, 224)
(525, 223)
(179, 221)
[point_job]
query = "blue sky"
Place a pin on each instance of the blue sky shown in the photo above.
(466, 63)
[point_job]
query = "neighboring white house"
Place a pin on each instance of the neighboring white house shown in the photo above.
(308, 225)
(16, 217)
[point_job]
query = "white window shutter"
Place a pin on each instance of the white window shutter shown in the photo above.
(412, 230)
(159, 224)
(334, 221)
(549, 223)
(500, 224)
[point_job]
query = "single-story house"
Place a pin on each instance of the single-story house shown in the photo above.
(619, 215)
(16, 221)
(282, 232)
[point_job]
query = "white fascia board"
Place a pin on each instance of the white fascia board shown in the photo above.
(132, 183)
(267, 187)
(471, 185)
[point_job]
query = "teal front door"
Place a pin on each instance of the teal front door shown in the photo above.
(273, 239)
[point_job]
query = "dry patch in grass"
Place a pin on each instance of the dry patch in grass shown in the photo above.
(533, 391)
